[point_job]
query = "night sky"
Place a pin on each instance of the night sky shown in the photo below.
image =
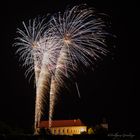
(110, 91)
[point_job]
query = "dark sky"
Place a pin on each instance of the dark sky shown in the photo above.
(110, 91)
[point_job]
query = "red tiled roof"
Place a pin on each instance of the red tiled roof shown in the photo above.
(61, 123)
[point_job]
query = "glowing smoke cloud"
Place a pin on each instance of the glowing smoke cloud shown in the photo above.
(57, 50)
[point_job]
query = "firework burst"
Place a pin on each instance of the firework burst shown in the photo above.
(81, 35)
(57, 49)
(31, 45)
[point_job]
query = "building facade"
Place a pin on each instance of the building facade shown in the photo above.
(65, 127)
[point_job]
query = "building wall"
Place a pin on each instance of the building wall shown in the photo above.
(71, 130)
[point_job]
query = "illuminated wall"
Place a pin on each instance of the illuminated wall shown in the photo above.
(71, 130)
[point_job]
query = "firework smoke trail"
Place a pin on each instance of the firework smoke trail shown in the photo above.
(45, 77)
(81, 35)
(56, 81)
(42, 92)
(50, 51)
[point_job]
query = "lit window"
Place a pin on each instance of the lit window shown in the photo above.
(82, 130)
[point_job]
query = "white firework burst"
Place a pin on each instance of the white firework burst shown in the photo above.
(80, 33)
(60, 48)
